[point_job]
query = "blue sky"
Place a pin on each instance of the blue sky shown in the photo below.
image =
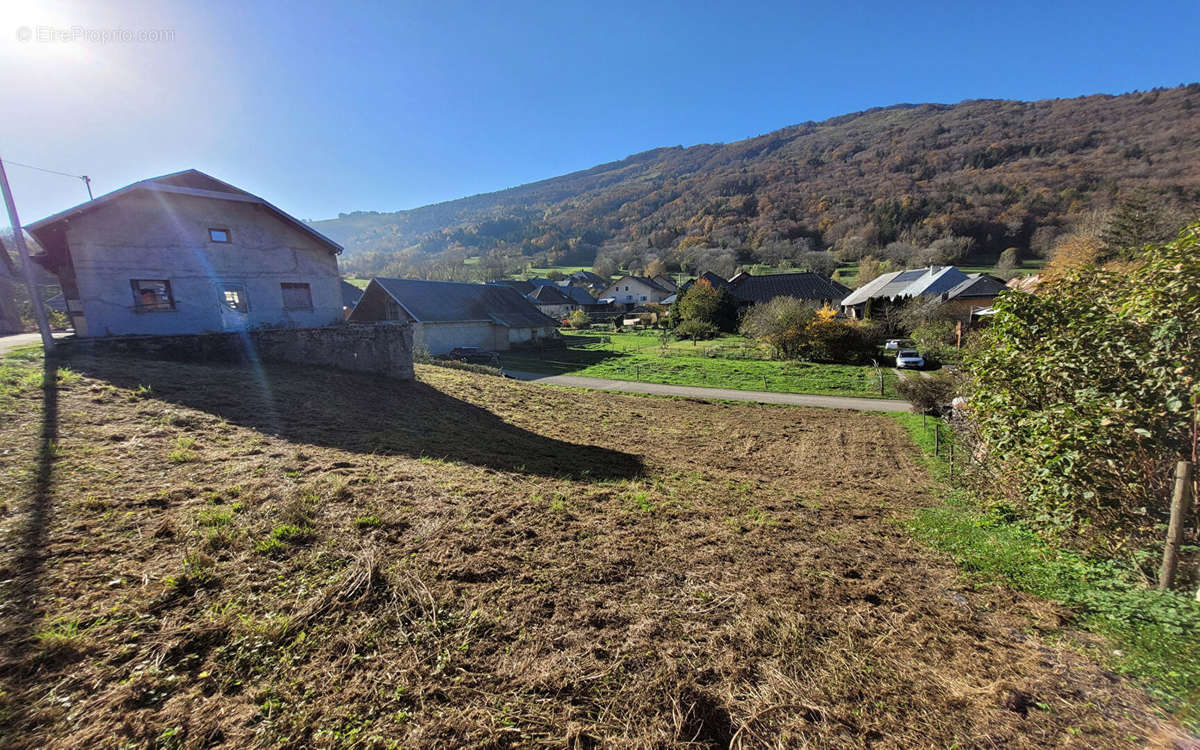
(384, 106)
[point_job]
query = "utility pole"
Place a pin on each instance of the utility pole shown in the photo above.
(87, 181)
(39, 311)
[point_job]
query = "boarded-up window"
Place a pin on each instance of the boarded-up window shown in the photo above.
(152, 295)
(233, 296)
(296, 297)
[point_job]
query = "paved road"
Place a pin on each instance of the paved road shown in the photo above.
(726, 394)
(18, 339)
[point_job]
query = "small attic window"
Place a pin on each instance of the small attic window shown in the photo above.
(218, 235)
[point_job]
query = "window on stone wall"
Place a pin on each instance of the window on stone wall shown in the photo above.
(233, 296)
(152, 295)
(218, 235)
(296, 297)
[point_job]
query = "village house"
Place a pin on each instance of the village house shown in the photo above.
(591, 281)
(970, 299)
(898, 286)
(553, 301)
(666, 282)
(186, 253)
(635, 290)
(748, 290)
(811, 288)
(578, 294)
(350, 297)
(964, 294)
(447, 315)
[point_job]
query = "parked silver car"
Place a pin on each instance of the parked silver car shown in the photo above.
(909, 358)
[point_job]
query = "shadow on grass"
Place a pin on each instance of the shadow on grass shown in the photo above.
(360, 413)
(23, 571)
(557, 361)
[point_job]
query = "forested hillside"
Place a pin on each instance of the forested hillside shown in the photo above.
(971, 179)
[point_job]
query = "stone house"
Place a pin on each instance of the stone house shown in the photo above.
(446, 315)
(186, 253)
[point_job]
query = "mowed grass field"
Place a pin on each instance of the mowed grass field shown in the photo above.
(643, 357)
(210, 556)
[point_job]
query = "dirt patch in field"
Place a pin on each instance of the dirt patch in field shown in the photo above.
(208, 556)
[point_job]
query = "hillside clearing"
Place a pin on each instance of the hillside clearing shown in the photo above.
(199, 555)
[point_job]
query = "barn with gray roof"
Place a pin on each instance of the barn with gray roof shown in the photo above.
(446, 315)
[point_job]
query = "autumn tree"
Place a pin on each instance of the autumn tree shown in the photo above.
(705, 303)
(1074, 251)
(871, 268)
(604, 266)
(1009, 262)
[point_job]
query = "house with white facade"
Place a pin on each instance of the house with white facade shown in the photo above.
(187, 253)
(635, 290)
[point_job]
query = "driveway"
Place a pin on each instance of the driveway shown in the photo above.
(725, 394)
(18, 339)
(25, 339)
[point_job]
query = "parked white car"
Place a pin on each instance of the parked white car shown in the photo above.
(909, 358)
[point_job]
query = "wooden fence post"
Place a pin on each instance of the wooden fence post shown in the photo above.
(937, 439)
(1179, 504)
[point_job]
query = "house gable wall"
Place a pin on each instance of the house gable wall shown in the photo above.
(638, 293)
(162, 236)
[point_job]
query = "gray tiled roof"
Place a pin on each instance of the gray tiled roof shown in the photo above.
(447, 301)
(350, 294)
(579, 295)
(811, 286)
(978, 286)
(549, 295)
(648, 282)
(188, 182)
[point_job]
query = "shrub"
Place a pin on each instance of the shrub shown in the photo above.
(705, 303)
(794, 330)
(930, 395)
(935, 340)
(781, 324)
(1083, 392)
(579, 319)
(696, 330)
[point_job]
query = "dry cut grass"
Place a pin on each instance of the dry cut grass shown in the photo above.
(205, 556)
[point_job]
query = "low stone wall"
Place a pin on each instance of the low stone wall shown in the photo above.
(379, 348)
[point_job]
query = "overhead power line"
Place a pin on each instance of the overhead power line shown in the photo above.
(86, 180)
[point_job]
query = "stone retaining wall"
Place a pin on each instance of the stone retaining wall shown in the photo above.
(379, 348)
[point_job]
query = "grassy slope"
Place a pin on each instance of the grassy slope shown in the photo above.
(639, 357)
(198, 554)
(1153, 632)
